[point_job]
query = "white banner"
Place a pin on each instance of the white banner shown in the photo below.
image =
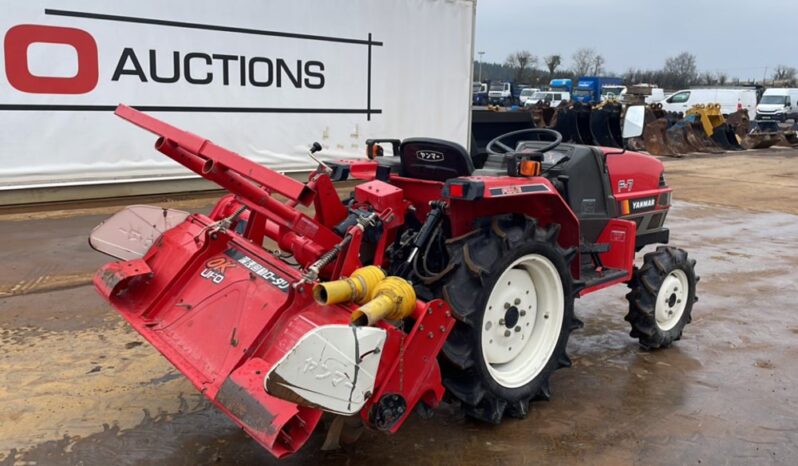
(264, 78)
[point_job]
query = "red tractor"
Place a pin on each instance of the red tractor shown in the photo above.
(434, 278)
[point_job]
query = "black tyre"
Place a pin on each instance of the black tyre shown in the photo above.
(662, 297)
(512, 293)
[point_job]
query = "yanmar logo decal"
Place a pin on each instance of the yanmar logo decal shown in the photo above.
(215, 269)
(430, 156)
(260, 270)
(643, 204)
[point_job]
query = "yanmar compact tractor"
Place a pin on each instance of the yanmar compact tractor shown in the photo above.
(437, 276)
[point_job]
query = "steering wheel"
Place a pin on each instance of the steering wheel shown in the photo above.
(497, 142)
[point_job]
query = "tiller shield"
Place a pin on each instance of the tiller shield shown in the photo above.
(243, 326)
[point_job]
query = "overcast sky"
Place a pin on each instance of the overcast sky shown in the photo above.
(737, 37)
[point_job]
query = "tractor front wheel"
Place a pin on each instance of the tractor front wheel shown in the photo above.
(512, 293)
(662, 297)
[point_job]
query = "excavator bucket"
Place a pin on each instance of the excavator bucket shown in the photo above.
(791, 135)
(785, 137)
(724, 136)
(739, 122)
(698, 138)
(714, 125)
(654, 139)
(761, 135)
(605, 124)
(564, 122)
(639, 143)
(543, 114)
(583, 134)
(676, 137)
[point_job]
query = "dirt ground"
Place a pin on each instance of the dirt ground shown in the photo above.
(78, 386)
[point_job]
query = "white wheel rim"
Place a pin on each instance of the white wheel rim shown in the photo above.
(671, 300)
(522, 321)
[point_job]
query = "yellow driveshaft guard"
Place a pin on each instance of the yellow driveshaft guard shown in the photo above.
(359, 287)
(394, 299)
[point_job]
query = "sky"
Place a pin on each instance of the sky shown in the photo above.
(736, 37)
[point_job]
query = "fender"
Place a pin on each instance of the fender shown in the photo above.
(536, 197)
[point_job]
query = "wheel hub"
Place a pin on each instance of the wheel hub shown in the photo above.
(511, 317)
(671, 299)
(522, 320)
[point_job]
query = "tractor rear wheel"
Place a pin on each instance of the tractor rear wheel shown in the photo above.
(512, 294)
(662, 297)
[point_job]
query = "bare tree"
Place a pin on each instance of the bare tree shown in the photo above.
(521, 62)
(598, 65)
(708, 78)
(584, 60)
(682, 69)
(785, 73)
(722, 78)
(552, 62)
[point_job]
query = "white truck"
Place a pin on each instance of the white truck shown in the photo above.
(730, 99)
(779, 104)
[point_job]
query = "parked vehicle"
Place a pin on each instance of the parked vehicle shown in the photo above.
(612, 92)
(562, 84)
(657, 95)
(589, 89)
(479, 95)
(778, 104)
(730, 99)
(553, 97)
(504, 93)
(526, 93)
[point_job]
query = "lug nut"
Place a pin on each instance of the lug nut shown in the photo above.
(517, 301)
(517, 328)
(507, 305)
(501, 321)
(522, 313)
(506, 333)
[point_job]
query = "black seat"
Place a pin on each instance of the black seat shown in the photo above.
(434, 159)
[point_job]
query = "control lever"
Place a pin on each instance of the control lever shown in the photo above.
(316, 147)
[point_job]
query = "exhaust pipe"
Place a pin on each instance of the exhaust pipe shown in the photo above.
(394, 299)
(359, 287)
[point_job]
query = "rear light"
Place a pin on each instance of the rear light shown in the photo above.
(468, 190)
(625, 207)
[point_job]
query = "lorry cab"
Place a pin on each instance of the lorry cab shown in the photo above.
(730, 99)
(562, 84)
(778, 105)
(500, 92)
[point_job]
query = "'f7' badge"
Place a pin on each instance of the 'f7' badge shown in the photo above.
(626, 185)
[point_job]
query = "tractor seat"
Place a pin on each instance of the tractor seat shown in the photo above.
(434, 159)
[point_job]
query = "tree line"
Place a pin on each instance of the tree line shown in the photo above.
(679, 71)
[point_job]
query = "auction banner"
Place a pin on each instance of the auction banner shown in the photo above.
(264, 78)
